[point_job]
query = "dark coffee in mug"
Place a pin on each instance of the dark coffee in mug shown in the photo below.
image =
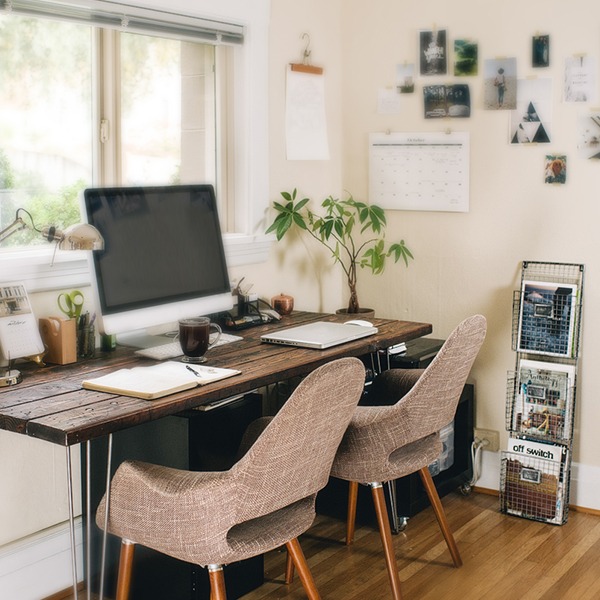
(194, 337)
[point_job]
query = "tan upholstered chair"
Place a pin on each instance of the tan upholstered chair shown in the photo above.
(266, 500)
(387, 442)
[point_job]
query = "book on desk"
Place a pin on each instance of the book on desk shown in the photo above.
(158, 380)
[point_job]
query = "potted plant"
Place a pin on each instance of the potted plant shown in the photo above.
(351, 230)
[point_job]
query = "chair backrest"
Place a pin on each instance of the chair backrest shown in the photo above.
(292, 458)
(368, 449)
(431, 404)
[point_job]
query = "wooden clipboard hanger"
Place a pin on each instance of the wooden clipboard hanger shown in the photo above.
(305, 66)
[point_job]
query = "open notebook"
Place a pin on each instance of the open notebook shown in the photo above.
(157, 381)
(319, 335)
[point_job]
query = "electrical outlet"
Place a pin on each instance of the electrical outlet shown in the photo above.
(493, 437)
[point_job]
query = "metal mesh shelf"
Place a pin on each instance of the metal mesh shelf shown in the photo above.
(541, 391)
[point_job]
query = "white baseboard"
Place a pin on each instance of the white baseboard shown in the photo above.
(585, 481)
(40, 565)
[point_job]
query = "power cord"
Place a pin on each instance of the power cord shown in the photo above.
(476, 447)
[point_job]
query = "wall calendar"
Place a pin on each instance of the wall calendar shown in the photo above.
(419, 171)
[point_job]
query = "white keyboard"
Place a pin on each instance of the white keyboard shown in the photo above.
(173, 349)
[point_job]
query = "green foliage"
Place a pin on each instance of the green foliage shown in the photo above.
(60, 209)
(353, 231)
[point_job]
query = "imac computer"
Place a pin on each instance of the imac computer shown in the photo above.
(163, 258)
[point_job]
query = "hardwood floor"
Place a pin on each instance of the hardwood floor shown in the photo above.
(505, 558)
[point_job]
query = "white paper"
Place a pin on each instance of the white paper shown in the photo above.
(388, 102)
(305, 120)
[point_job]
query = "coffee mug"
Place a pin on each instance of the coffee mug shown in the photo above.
(194, 337)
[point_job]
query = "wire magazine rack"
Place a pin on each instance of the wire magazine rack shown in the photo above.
(541, 392)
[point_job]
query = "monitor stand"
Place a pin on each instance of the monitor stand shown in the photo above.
(145, 339)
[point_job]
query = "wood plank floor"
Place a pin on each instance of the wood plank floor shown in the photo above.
(505, 558)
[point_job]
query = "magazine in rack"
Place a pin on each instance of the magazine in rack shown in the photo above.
(535, 480)
(543, 401)
(547, 318)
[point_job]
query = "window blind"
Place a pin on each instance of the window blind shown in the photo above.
(134, 19)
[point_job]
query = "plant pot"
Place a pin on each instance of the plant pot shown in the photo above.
(363, 313)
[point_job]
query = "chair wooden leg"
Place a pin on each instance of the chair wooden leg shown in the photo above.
(351, 518)
(125, 566)
(386, 538)
(217, 582)
(295, 551)
(289, 568)
(438, 509)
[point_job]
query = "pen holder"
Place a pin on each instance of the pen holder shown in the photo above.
(59, 339)
(86, 341)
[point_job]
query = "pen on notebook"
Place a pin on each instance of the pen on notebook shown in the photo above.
(192, 370)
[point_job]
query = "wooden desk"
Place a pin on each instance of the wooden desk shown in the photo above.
(51, 405)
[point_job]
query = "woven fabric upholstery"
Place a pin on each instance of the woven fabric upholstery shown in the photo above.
(265, 500)
(387, 442)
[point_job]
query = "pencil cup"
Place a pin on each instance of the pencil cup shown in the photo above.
(86, 342)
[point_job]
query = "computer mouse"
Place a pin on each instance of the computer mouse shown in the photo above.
(359, 322)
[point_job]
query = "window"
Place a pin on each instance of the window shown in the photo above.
(82, 105)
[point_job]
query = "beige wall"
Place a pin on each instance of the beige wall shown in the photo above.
(297, 267)
(465, 263)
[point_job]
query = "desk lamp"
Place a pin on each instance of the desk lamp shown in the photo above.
(80, 236)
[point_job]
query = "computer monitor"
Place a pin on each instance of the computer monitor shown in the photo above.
(163, 256)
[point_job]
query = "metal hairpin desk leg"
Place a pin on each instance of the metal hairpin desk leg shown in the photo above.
(72, 523)
(104, 532)
(88, 520)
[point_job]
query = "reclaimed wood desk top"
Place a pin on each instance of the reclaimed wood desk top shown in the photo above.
(51, 405)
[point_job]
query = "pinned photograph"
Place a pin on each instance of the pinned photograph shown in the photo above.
(447, 101)
(432, 52)
(500, 84)
(531, 121)
(465, 58)
(580, 79)
(405, 78)
(588, 142)
(540, 51)
(555, 168)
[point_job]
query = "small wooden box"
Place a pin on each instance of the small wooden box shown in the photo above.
(60, 339)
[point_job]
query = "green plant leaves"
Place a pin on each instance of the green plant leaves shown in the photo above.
(335, 230)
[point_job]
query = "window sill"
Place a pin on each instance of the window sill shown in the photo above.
(39, 273)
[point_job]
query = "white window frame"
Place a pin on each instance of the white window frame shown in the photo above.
(44, 269)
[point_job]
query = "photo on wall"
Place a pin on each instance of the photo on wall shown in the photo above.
(405, 78)
(432, 52)
(580, 79)
(465, 58)
(447, 101)
(588, 143)
(555, 168)
(540, 51)
(531, 122)
(500, 84)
